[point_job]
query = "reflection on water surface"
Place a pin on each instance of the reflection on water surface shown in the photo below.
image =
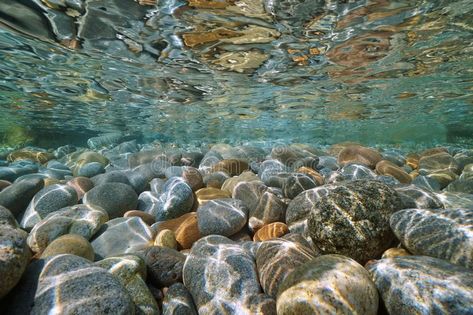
(237, 70)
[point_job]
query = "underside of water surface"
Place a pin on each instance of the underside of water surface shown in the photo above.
(236, 71)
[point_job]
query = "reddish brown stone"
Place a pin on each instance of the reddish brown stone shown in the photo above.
(146, 217)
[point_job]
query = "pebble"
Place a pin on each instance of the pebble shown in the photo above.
(423, 285)
(270, 231)
(114, 198)
(185, 229)
(73, 244)
(316, 177)
(444, 233)
(296, 183)
(204, 195)
(215, 179)
(329, 284)
(7, 218)
(270, 208)
(111, 177)
(17, 196)
(46, 201)
(416, 197)
(388, 168)
(122, 236)
(437, 162)
(355, 154)
(352, 219)
(230, 184)
(222, 216)
(356, 172)
(130, 270)
(395, 252)
(166, 238)
(164, 265)
(277, 258)
(84, 288)
(193, 178)
(81, 185)
(90, 169)
(4, 184)
(14, 254)
(147, 218)
(178, 301)
(176, 199)
(79, 219)
(214, 260)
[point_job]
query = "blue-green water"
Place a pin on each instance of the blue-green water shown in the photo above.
(377, 72)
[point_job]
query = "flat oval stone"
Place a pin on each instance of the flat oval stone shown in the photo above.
(70, 244)
(270, 231)
(14, 256)
(85, 289)
(90, 169)
(329, 284)
(185, 229)
(388, 168)
(122, 236)
(178, 301)
(222, 216)
(114, 198)
(164, 265)
(355, 154)
(79, 219)
(353, 219)
(444, 233)
(277, 258)
(319, 179)
(270, 208)
(48, 200)
(423, 285)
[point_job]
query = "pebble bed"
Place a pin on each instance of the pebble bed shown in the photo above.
(127, 228)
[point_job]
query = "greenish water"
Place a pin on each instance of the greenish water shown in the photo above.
(377, 72)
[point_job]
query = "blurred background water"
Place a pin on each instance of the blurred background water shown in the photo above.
(202, 71)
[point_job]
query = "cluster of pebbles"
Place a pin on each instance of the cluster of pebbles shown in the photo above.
(294, 229)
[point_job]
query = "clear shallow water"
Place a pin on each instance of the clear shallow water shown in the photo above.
(377, 72)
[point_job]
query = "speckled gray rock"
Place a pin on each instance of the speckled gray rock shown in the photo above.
(176, 199)
(78, 219)
(164, 265)
(297, 183)
(423, 285)
(17, 196)
(148, 202)
(114, 198)
(7, 218)
(178, 301)
(214, 263)
(14, 256)
(269, 169)
(416, 197)
(445, 233)
(46, 201)
(122, 236)
(249, 193)
(224, 216)
(353, 220)
(277, 258)
(299, 208)
(90, 169)
(329, 284)
(84, 289)
(131, 271)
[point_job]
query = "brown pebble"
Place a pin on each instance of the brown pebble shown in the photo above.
(388, 168)
(319, 179)
(70, 244)
(270, 231)
(193, 177)
(81, 185)
(359, 155)
(412, 160)
(166, 238)
(395, 252)
(204, 195)
(185, 229)
(233, 167)
(146, 217)
(433, 151)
